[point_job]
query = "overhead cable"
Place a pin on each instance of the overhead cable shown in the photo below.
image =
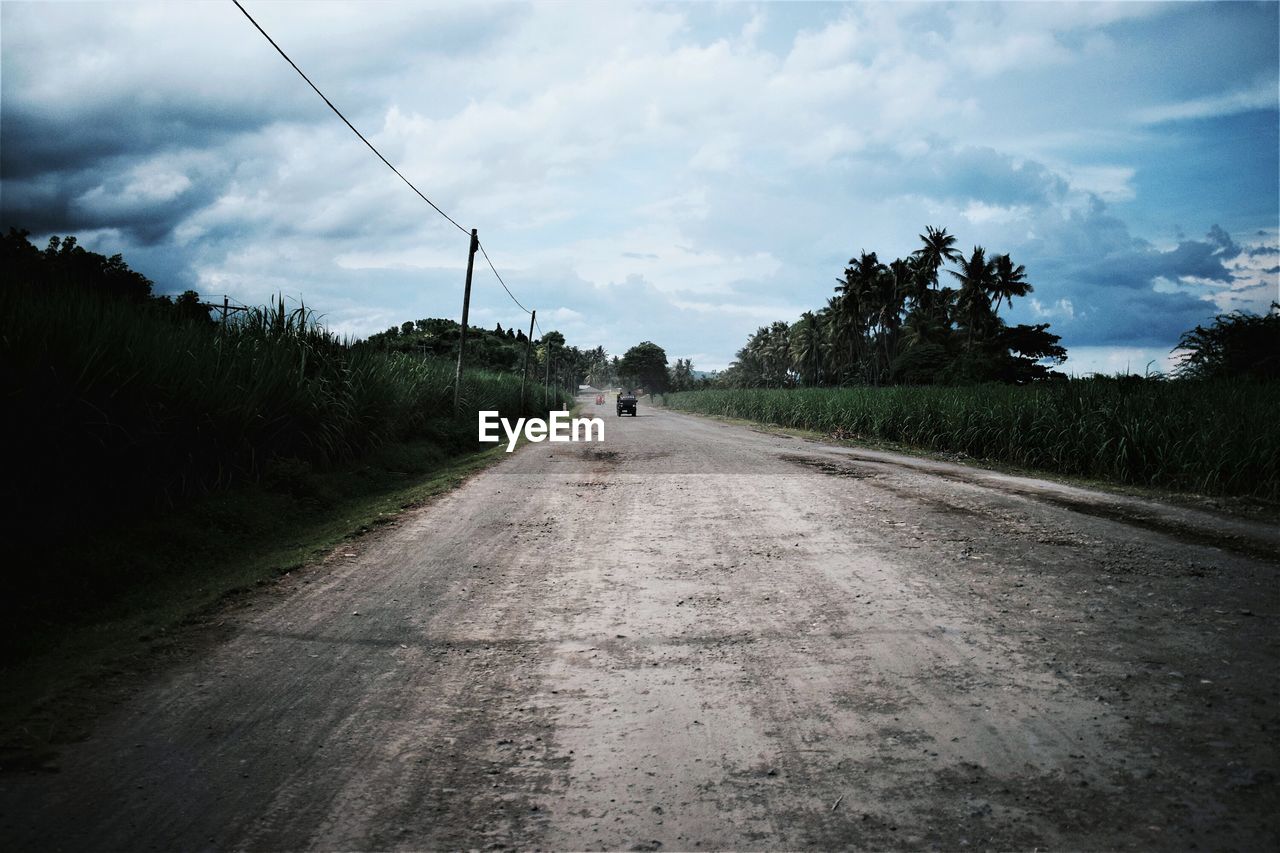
(344, 119)
(499, 277)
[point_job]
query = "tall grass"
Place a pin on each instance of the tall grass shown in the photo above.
(1216, 438)
(109, 405)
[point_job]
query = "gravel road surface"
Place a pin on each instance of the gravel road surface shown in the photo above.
(697, 635)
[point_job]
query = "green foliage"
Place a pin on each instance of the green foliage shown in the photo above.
(114, 407)
(500, 351)
(894, 324)
(487, 349)
(682, 378)
(1216, 438)
(65, 266)
(1239, 344)
(645, 366)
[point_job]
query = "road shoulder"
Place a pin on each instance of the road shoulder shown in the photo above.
(212, 560)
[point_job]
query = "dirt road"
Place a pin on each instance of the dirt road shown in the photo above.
(696, 635)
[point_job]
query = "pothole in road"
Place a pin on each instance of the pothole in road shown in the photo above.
(832, 468)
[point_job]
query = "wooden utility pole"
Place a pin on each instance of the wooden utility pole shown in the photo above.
(466, 310)
(528, 345)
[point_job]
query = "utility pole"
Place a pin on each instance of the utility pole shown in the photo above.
(466, 309)
(528, 345)
(224, 310)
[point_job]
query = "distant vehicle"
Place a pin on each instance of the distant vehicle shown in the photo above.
(627, 403)
(599, 399)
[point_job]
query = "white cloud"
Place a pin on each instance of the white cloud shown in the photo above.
(1255, 274)
(721, 162)
(1263, 95)
(1110, 361)
(981, 213)
(1062, 308)
(1109, 183)
(565, 315)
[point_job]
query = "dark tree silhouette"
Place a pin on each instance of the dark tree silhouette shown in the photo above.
(1239, 344)
(645, 366)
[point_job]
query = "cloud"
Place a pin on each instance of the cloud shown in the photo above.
(1102, 286)
(1261, 96)
(682, 173)
(1123, 360)
(1060, 309)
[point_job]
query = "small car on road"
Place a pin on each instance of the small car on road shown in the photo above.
(627, 404)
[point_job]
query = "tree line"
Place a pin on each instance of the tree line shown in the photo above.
(63, 263)
(643, 366)
(905, 322)
(501, 351)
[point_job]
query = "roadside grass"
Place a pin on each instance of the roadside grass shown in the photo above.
(67, 656)
(118, 409)
(1257, 509)
(1216, 439)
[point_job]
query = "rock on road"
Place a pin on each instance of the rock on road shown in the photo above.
(697, 635)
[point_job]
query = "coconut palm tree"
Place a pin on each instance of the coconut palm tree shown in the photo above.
(859, 306)
(977, 278)
(806, 348)
(900, 282)
(1009, 281)
(937, 251)
(833, 342)
(778, 354)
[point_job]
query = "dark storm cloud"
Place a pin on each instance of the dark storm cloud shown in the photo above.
(1138, 268)
(50, 160)
(1223, 241)
(1128, 317)
(960, 174)
(35, 142)
(1125, 291)
(40, 205)
(986, 175)
(82, 201)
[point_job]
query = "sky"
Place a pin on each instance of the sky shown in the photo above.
(682, 173)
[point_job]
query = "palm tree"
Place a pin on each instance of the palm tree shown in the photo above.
(977, 278)
(597, 366)
(937, 251)
(778, 354)
(859, 305)
(899, 284)
(1009, 281)
(806, 348)
(829, 320)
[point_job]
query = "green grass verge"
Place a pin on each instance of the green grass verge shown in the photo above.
(63, 654)
(1257, 509)
(1212, 438)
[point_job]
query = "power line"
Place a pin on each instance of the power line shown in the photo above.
(500, 281)
(344, 119)
(387, 162)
